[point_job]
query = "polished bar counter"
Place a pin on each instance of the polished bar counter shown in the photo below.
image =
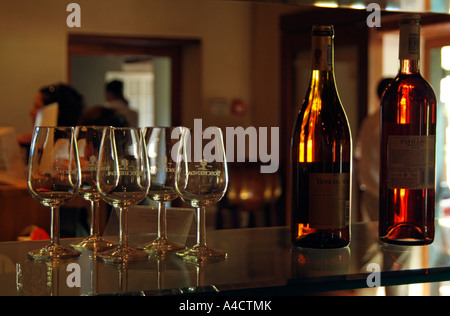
(260, 261)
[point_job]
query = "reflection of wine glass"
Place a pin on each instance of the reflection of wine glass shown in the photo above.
(38, 278)
(160, 145)
(123, 179)
(88, 141)
(201, 181)
(53, 180)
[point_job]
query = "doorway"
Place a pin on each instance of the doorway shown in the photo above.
(150, 68)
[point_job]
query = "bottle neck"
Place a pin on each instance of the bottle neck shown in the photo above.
(322, 53)
(409, 52)
(409, 66)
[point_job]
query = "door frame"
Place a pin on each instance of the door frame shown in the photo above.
(95, 44)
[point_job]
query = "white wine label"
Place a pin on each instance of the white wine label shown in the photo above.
(411, 162)
(409, 41)
(329, 196)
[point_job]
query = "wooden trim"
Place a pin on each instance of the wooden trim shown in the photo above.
(101, 44)
(390, 20)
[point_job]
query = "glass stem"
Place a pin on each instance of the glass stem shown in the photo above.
(201, 227)
(94, 218)
(123, 236)
(162, 222)
(54, 228)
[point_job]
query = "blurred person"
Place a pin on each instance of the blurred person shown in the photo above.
(116, 100)
(70, 107)
(73, 220)
(367, 158)
(100, 115)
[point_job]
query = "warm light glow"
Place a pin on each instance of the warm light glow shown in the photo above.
(301, 150)
(401, 215)
(403, 116)
(301, 259)
(326, 4)
(231, 194)
(245, 195)
(358, 6)
(402, 193)
(309, 148)
(304, 229)
(307, 142)
(403, 109)
(334, 151)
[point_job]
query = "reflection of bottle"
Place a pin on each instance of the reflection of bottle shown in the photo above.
(311, 263)
(321, 156)
(407, 165)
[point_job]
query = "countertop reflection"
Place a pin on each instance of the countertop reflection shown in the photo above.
(260, 261)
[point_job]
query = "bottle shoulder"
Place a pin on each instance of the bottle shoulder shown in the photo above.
(324, 104)
(414, 81)
(322, 107)
(414, 85)
(327, 114)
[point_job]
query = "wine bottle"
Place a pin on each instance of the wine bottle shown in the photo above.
(407, 152)
(321, 151)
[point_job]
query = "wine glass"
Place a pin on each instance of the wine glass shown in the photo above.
(201, 182)
(160, 145)
(88, 141)
(123, 179)
(53, 180)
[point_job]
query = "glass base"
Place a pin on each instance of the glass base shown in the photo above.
(122, 254)
(95, 244)
(162, 245)
(407, 234)
(52, 252)
(202, 253)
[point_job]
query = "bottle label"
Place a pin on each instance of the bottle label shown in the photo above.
(411, 162)
(409, 41)
(322, 54)
(329, 200)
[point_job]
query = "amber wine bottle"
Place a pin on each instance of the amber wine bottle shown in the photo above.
(321, 152)
(407, 152)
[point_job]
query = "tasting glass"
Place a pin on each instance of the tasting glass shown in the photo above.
(161, 144)
(88, 142)
(53, 180)
(123, 179)
(201, 179)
